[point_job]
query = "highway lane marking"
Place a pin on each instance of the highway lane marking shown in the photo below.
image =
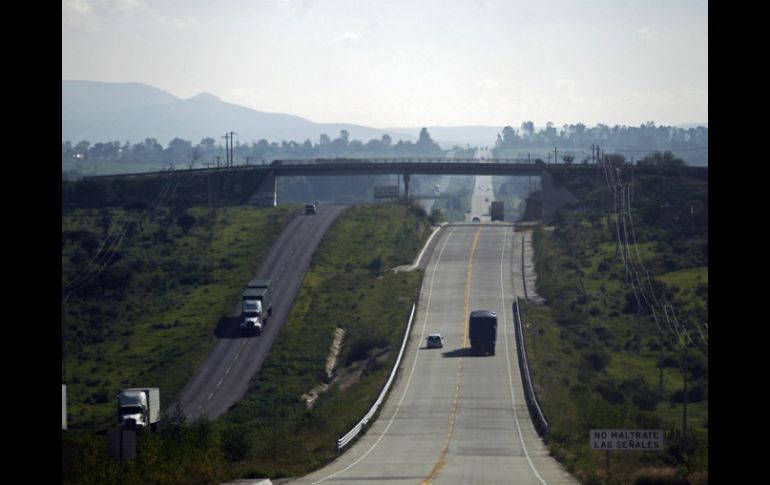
(411, 372)
(508, 360)
(439, 465)
(237, 354)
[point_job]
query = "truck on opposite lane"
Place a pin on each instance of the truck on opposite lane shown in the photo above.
(256, 305)
(139, 408)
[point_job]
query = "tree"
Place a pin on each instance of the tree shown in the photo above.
(178, 151)
(81, 149)
(568, 159)
(425, 138)
(528, 127)
(509, 137)
(426, 145)
(186, 222)
(550, 136)
(340, 144)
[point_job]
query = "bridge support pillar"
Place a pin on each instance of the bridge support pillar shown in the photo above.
(267, 192)
(406, 185)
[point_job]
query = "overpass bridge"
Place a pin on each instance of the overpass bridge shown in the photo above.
(266, 194)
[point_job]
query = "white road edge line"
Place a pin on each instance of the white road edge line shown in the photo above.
(508, 359)
(417, 350)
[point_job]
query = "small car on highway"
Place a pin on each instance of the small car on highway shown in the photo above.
(435, 341)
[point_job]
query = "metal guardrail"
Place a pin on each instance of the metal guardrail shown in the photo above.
(342, 442)
(541, 424)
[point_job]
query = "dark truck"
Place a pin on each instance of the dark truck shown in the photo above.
(497, 210)
(482, 329)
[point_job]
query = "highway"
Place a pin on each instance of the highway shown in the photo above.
(224, 376)
(454, 418)
(483, 193)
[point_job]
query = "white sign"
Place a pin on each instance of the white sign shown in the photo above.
(626, 439)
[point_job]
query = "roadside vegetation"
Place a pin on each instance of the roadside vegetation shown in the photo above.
(349, 286)
(596, 349)
(142, 299)
(273, 432)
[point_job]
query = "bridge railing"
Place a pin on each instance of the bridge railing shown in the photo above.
(541, 424)
(524, 161)
(342, 442)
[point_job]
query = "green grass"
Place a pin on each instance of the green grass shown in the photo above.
(686, 278)
(561, 336)
(341, 290)
(147, 336)
(270, 432)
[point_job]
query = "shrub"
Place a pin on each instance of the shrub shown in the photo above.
(235, 442)
(610, 393)
(596, 360)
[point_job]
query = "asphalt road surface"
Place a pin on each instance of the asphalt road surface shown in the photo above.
(483, 194)
(224, 376)
(453, 417)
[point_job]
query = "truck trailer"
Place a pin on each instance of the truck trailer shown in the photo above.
(497, 210)
(256, 305)
(139, 408)
(482, 330)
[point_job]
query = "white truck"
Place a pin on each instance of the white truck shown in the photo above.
(139, 408)
(256, 305)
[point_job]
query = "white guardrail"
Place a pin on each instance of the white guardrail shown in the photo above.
(342, 442)
(541, 424)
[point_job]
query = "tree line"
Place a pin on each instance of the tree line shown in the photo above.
(646, 136)
(183, 153)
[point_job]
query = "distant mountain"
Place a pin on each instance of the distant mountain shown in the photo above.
(97, 111)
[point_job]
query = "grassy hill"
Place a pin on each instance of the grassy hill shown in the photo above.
(598, 352)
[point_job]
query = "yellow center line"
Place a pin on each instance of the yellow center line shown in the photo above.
(442, 456)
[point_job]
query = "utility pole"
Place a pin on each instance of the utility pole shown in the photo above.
(208, 179)
(555, 155)
(229, 148)
(684, 411)
(232, 158)
(660, 366)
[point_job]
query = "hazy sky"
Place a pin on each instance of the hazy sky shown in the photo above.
(385, 63)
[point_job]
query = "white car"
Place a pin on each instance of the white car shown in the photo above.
(435, 341)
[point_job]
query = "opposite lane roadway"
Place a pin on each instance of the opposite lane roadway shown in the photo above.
(224, 376)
